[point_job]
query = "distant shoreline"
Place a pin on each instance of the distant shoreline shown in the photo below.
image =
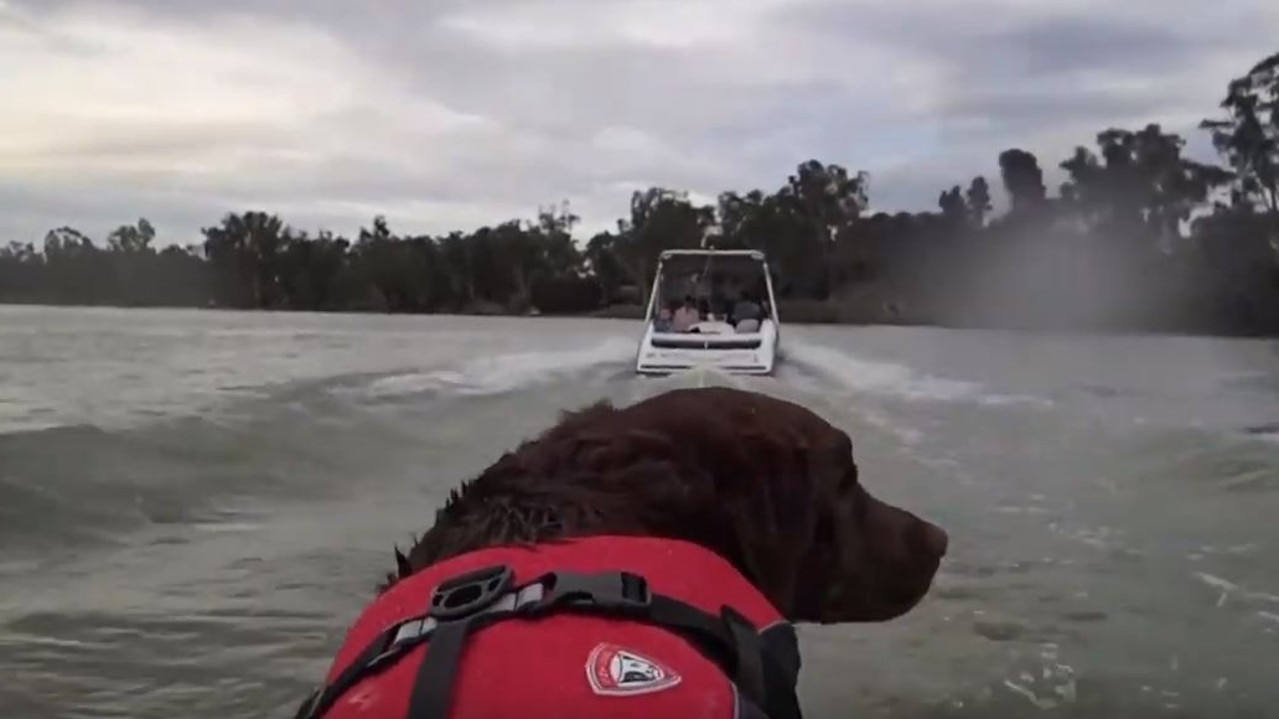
(793, 312)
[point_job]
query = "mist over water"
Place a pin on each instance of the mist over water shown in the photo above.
(195, 505)
(1050, 276)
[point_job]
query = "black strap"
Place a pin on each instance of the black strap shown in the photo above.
(612, 593)
(466, 604)
(433, 691)
(749, 672)
(375, 657)
(469, 596)
(781, 670)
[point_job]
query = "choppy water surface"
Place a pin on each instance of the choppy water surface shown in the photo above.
(194, 505)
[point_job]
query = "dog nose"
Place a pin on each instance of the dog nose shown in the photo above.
(933, 540)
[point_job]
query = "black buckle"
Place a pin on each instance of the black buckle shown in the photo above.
(470, 593)
(621, 592)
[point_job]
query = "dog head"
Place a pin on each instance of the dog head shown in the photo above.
(790, 510)
(766, 483)
(866, 560)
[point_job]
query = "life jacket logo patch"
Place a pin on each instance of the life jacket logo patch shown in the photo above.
(614, 671)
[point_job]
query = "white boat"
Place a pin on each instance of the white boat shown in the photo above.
(737, 329)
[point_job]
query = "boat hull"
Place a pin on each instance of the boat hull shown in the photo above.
(662, 354)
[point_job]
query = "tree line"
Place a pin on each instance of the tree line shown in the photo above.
(1137, 237)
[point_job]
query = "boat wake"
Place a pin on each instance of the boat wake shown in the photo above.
(497, 374)
(860, 376)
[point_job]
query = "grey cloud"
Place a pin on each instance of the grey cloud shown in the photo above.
(1000, 62)
(1053, 47)
(1028, 112)
(29, 211)
(1005, 80)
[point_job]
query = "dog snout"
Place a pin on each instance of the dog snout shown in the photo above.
(931, 540)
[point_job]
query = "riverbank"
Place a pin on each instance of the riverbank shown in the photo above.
(807, 312)
(801, 312)
(891, 314)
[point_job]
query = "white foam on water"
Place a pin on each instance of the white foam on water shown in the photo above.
(858, 375)
(646, 387)
(1268, 437)
(228, 527)
(18, 422)
(881, 421)
(790, 384)
(496, 374)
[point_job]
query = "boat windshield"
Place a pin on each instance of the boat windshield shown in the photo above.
(710, 288)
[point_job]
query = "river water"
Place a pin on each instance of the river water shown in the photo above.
(194, 505)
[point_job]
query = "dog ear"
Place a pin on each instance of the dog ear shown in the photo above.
(824, 564)
(770, 495)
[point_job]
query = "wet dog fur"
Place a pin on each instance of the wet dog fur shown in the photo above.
(765, 483)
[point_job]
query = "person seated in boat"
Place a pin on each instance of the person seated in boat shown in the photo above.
(665, 317)
(720, 309)
(686, 316)
(747, 314)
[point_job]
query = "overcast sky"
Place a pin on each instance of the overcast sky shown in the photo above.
(449, 114)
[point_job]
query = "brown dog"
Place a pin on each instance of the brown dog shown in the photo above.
(760, 482)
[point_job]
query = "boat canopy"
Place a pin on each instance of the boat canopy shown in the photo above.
(714, 279)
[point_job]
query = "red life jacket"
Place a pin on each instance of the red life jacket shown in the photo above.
(676, 633)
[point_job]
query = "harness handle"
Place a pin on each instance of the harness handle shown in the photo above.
(466, 595)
